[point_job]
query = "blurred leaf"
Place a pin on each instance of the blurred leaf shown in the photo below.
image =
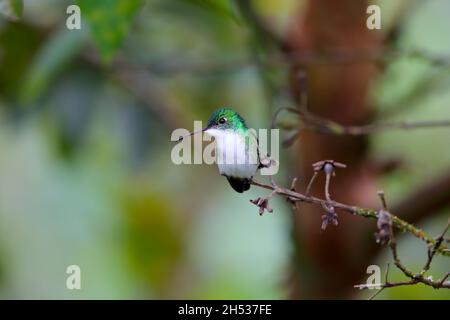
(16, 56)
(55, 54)
(11, 8)
(223, 8)
(155, 244)
(109, 22)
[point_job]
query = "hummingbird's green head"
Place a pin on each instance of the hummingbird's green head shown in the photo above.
(220, 121)
(226, 119)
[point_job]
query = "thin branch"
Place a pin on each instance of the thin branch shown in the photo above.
(310, 121)
(386, 277)
(373, 128)
(386, 223)
(381, 286)
(432, 252)
(419, 277)
(375, 294)
(175, 65)
(323, 125)
(383, 199)
(444, 278)
(354, 210)
(413, 277)
(313, 178)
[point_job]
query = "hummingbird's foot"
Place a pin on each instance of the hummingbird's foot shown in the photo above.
(267, 162)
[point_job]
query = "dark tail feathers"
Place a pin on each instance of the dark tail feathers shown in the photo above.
(239, 184)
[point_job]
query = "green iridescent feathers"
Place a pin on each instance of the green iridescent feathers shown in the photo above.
(232, 120)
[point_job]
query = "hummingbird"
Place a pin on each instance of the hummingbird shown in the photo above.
(237, 152)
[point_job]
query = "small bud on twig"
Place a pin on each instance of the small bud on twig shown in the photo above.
(384, 222)
(263, 203)
(329, 218)
(384, 225)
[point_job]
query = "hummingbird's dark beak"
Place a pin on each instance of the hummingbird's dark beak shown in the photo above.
(192, 133)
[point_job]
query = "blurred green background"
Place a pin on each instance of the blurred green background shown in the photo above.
(85, 170)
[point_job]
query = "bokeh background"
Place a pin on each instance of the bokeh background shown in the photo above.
(85, 121)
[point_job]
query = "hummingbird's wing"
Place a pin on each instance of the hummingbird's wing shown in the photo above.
(253, 133)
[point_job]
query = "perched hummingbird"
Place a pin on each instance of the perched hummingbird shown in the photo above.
(237, 152)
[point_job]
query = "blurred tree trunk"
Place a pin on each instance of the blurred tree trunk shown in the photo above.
(328, 263)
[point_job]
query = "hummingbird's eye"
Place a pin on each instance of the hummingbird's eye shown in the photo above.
(222, 120)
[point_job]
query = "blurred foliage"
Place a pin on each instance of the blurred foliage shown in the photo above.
(52, 57)
(218, 8)
(16, 56)
(109, 22)
(155, 245)
(11, 8)
(86, 176)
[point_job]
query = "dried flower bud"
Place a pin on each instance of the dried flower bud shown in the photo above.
(328, 168)
(329, 217)
(384, 224)
(263, 204)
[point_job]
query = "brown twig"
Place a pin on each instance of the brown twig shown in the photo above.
(414, 278)
(419, 277)
(433, 250)
(322, 125)
(175, 65)
(354, 210)
(382, 286)
(313, 178)
(386, 224)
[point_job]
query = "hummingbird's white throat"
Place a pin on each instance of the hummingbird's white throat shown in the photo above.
(236, 152)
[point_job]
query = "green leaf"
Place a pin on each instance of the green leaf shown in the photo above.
(109, 22)
(222, 8)
(12, 9)
(54, 55)
(17, 7)
(219, 9)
